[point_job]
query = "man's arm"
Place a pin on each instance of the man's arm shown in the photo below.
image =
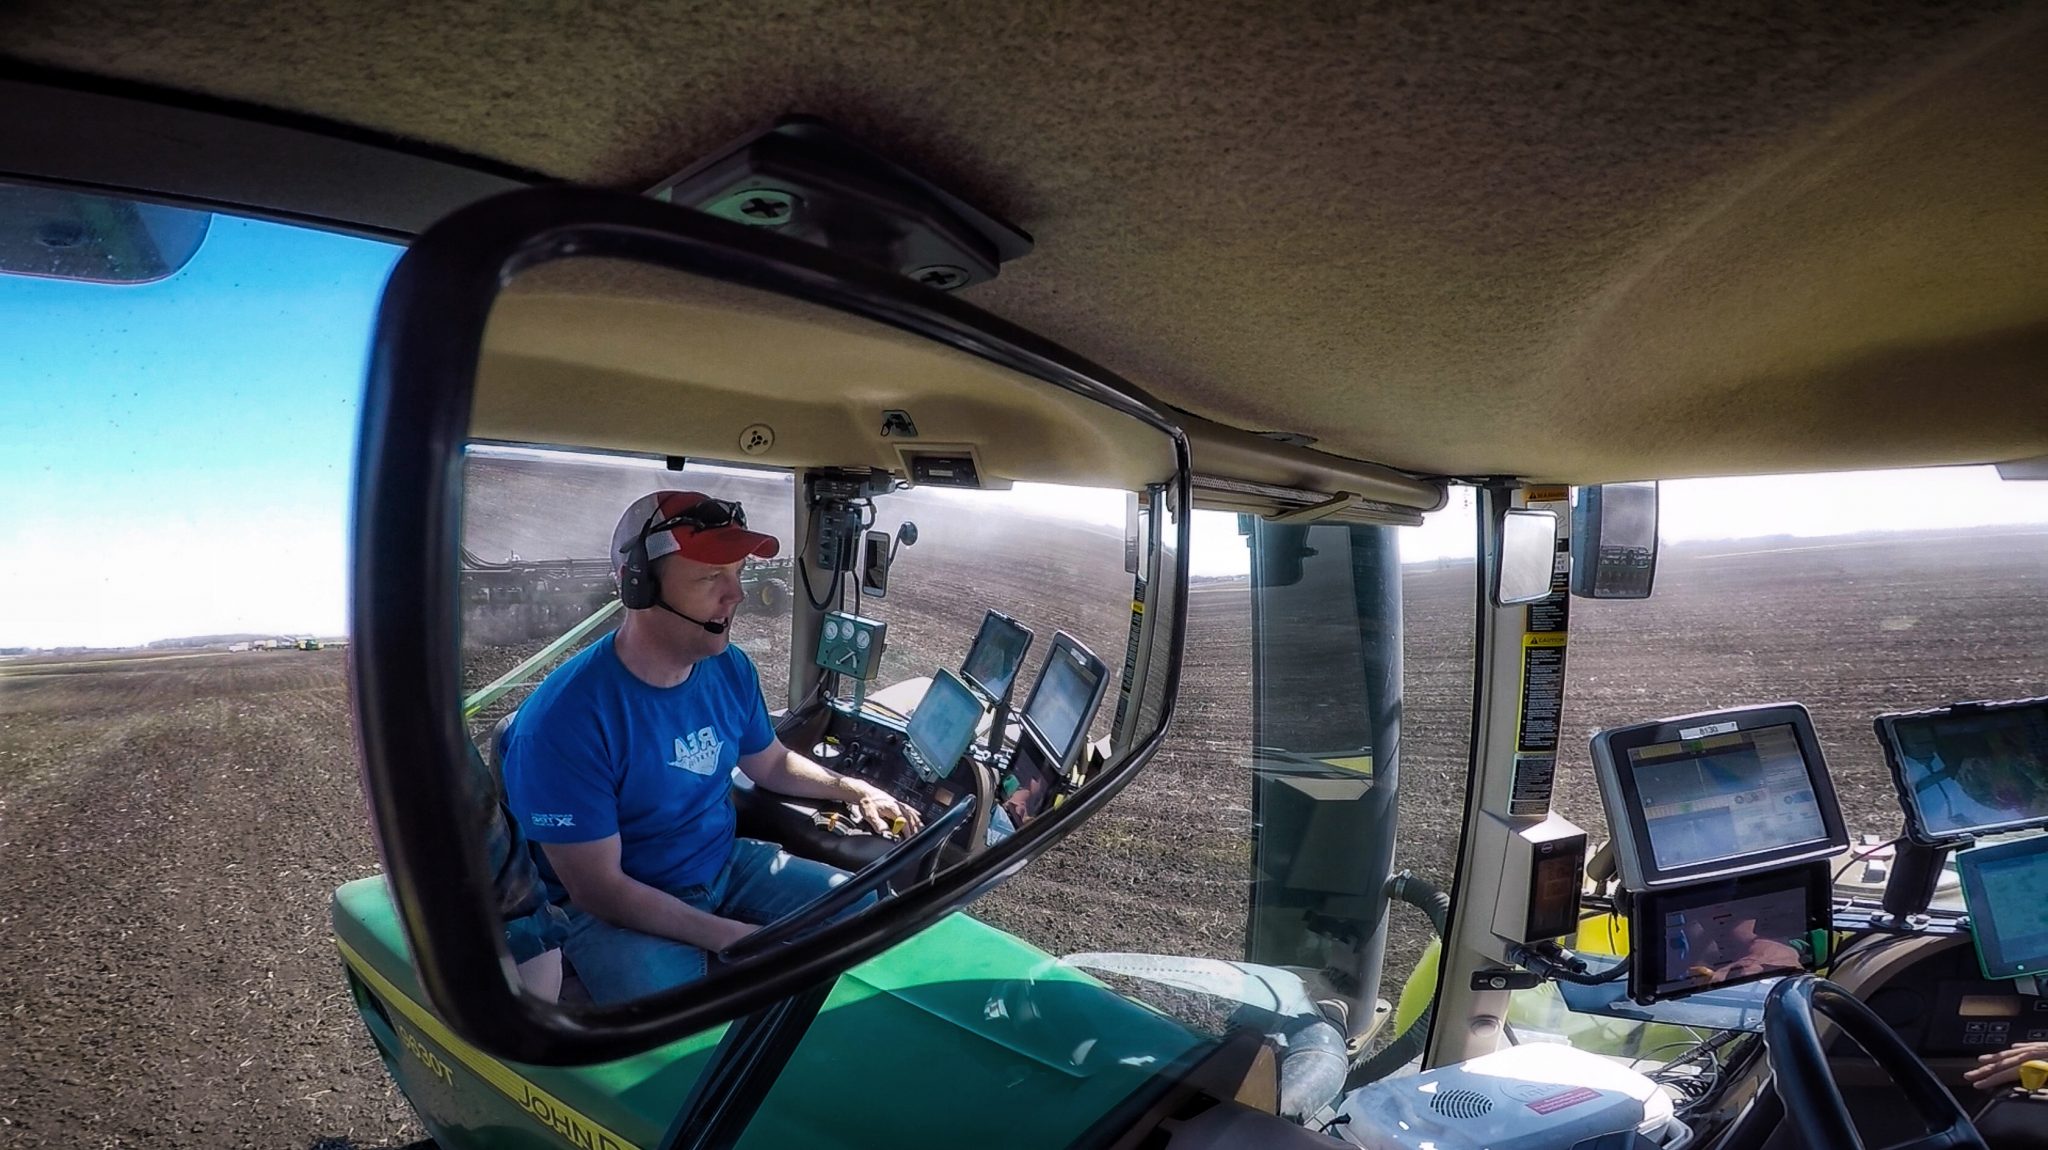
(591, 873)
(785, 772)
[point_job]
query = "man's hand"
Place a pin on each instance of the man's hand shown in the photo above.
(876, 808)
(1995, 1071)
(726, 931)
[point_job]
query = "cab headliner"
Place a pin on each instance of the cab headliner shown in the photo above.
(1581, 242)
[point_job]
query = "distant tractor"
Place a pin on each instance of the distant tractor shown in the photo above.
(309, 644)
(521, 600)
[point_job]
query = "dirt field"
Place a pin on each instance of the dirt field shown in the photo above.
(172, 826)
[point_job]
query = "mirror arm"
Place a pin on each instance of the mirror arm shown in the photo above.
(745, 1065)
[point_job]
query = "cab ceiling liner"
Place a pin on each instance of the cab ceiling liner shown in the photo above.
(1575, 241)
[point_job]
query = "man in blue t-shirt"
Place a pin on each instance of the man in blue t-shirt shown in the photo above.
(620, 764)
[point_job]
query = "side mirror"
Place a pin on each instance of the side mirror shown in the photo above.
(1614, 541)
(1528, 557)
(874, 565)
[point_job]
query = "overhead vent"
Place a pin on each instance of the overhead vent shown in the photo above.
(805, 179)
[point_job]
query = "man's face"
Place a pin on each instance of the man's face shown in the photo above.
(701, 591)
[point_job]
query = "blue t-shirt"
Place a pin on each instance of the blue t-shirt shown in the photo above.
(596, 752)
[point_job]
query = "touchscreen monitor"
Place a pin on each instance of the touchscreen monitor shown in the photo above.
(997, 655)
(942, 726)
(1064, 700)
(1719, 794)
(1028, 787)
(1970, 769)
(1728, 931)
(2006, 888)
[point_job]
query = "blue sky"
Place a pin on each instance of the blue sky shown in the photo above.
(176, 455)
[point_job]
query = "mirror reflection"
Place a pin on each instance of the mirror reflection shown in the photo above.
(1528, 555)
(707, 738)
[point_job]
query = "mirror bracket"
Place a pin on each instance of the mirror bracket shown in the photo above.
(806, 179)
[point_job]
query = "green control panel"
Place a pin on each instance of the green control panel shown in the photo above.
(852, 645)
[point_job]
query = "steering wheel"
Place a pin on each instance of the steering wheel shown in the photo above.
(820, 911)
(1799, 1066)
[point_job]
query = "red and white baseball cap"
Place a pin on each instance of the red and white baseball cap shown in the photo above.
(690, 524)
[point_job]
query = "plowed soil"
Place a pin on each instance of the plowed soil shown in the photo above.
(172, 826)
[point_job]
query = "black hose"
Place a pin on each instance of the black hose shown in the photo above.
(1425, 897)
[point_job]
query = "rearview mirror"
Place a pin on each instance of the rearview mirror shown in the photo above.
(749, 372)
(56, 233)
(1614, 540)
(1528, 558)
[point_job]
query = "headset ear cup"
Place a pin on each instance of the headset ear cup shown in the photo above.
(637, 588)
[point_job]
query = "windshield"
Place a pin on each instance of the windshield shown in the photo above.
(1855, 595)
(1900, 591)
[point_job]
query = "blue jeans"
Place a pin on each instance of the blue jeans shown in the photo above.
(759, 884)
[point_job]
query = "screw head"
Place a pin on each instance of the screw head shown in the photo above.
(759, 207)
(944, 277)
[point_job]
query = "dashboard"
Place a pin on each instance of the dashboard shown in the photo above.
(929, 742)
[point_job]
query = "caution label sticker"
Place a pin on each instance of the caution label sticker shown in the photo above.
(1542, 700)
(1534, 776)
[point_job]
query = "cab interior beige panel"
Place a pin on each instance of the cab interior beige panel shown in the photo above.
(599, 353)
(1579, 241)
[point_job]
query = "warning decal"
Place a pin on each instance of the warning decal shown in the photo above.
(1562, 1101)
(1531, 792)
(1542, 693)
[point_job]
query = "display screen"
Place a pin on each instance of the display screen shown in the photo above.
(1726, 795)
(1032, 789)
(2006, 887)
(997, 654)
(1060, 704)
(1970, 773)
(1989, 1006)
(1733, 941)
(944, 723)
(1729, 930)
(1554, 900)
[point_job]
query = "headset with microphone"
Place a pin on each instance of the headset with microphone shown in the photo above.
(638, 588)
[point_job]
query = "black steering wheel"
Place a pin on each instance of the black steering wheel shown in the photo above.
(1799, 1065)
(821, 911)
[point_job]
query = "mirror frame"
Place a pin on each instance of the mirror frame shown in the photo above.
(406, 673)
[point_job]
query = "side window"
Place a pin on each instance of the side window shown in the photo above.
(178, 794)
